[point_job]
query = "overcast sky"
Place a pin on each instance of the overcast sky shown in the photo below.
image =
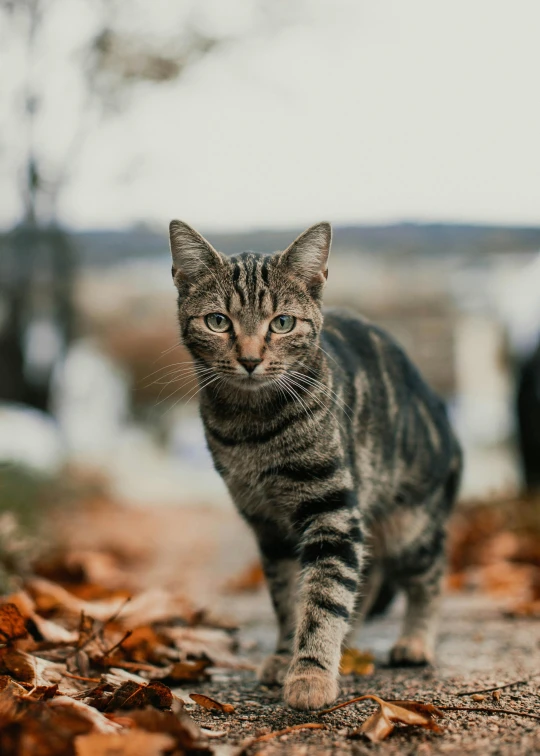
(363, 112)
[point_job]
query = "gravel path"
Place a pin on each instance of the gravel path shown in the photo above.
(478, 648)
(200, 549)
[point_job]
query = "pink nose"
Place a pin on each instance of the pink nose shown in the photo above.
(250, 363)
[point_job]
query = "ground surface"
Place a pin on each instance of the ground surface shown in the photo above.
(201, 549)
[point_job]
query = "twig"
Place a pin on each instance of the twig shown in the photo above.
(497, 687)
(127, 635)
(84, 679)
(488, 710)
(101, 627)
(271, 735)
(341, 705)
(115, 614)
(130, 665)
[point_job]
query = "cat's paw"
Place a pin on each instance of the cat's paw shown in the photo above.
(310, 688)
(411, 652)
(273, 669)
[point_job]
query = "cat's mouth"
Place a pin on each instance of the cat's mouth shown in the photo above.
(250, 382)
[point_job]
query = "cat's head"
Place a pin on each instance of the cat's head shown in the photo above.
(251, 318)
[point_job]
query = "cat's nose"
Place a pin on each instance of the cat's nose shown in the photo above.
(250, 363)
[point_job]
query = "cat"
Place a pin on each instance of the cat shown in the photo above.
(332, 446)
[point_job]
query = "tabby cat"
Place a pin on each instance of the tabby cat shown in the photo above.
(333, 448)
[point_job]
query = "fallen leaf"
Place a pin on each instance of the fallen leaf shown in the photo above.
(180, 726)
(526, 609)
(381, 723)
(99, 722)
(251, 579)
(130, 743)
(209, 703)
(50, 596)
(132, 695)
(12, 623)
(354, 662)
(27, 668)
(188, 671)
(43, 692)
(204, 642)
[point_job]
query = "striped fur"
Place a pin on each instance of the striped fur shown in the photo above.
(333, 448)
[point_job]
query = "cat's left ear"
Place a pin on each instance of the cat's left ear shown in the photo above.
(191, 253)
(307, 256)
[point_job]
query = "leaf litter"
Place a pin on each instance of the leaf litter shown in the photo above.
(86, 665)
(87, 672)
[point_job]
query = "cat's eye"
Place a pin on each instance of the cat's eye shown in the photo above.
(283, 324)
(218, 322)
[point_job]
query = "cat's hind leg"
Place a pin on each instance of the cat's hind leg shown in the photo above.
(369, 592)
(416, 645)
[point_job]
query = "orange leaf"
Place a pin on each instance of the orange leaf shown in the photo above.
(354, 662)
(381, 723)
(12, 623)
(209, 703)
(131, 743)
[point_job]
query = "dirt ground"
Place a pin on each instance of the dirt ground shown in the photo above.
(200, 550)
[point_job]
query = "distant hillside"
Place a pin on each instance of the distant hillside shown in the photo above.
(102, 247)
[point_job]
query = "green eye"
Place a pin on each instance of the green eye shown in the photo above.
(218, 322)
(283, 324)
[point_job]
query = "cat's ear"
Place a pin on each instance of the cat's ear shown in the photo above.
(191, 253)
(307, 256)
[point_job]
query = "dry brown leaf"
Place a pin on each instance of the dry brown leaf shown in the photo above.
(380, 724)
(205, 642)
(51, 596)
(30, 669)
(44, 727)
(180, 726)
(354, 662)
(52, 631)
(180, 672)
(12, 624)
(99, 722)
(249, 580)
(130, 743)
(132, 695)
(209, 703)
(526, 609)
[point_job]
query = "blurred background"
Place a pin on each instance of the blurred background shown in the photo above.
(412, 127)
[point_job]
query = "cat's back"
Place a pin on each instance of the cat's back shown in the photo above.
(356, 345)
(387, 391)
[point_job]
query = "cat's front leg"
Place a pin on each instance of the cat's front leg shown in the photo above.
(331, 556)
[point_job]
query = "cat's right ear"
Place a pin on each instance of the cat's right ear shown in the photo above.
(191, 253)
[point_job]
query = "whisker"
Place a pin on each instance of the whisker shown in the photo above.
(186, 380)
(176, 374)
(169, 365)
(286, 383)
(326, 390)
(320, 403)
(166, 351)
(204, 385)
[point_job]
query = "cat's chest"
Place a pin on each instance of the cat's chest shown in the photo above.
(247, 472)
